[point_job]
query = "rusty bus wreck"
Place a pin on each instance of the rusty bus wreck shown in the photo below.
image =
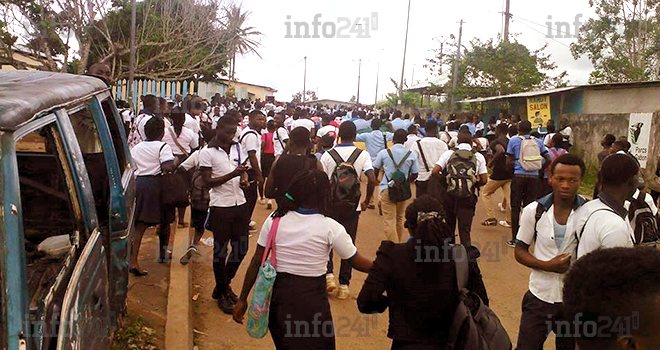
(68, 197)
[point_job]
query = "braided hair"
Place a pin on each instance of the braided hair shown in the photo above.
(308, 189)
(426, 217)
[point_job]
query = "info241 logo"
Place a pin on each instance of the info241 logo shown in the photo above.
(341, 28)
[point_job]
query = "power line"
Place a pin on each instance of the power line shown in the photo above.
(542, 25)
(538, 31)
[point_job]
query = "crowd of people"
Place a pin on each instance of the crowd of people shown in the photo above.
(592, 261)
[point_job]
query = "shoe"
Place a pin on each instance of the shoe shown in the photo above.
(330, 284)
(138, 273)
(231, 295)
(226, 304)
(253, 226)
(511, 243)
(505, 224)
(371, 206)
(489, 222)
(182, 225)
(185, 259)
(269, 204)
(165, 257)
(262, 201)
(380, 209)
(501, 207)
(343, 292)
(215, 294)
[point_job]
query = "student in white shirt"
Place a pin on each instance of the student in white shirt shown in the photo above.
(343, 152)
(304, 121)
(281, 135)
(412, 137)
(429, 150)
(546, 224)
(603, 221)
(250, 141)
(224, 172)
(152, 157)
(304, 238)
(462, 210)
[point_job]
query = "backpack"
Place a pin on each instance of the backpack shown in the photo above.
(398, 184)
(461, 173)
(642, 220)
(474, 326)
(134, 136)
(344, 183)
(530, 154)
(199, 194)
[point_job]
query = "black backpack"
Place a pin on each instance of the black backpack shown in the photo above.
(344, 183)
(199, 194)
(642, 220)
(398, 184)
(461, 173)
(474, 326)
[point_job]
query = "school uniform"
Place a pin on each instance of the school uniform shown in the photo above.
(148, 157)
(280, 137)
(228, 213)
(304, 240)
(432, 148)
(250, 141)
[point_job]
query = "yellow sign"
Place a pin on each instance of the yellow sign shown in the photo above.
(538, 111)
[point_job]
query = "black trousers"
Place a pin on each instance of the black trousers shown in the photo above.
(422, 188)
(524, 190)
(251, 194)
(461, 211)
(229, 224)
(538, 319)
(350, 223)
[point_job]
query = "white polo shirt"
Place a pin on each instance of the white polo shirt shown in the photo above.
(230, 193)
(433, 149)
(192, 123)
(142, 120)
(603, 228)
(149, 155)
(481, 161)
(304, 241)
(411, 139)
(187, 139)
(279, 140)
(545, 285)
(250, 141)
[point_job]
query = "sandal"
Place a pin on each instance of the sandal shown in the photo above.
(489, 222)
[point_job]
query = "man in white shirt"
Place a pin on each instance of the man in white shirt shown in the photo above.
(326, 136)
(461, 209)
(304, 121)
(281, 135)
(429, 150)
(347, 152)
(545, 224)
(412, 137)
(603, 221)
(250, 141)
(224, 173)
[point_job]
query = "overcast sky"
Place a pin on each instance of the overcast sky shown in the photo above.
(332, 63)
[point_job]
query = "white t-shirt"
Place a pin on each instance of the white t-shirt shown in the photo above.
(602, 228)
(187, 139)
(306, 123)
(411, 139)
(433, 149)
(250, 141)
(446, 137)
(149, 155)
(279, 140)
(229, 194)
(481, 161)
(304, 241)
(192, 123)
(287, 123)
(191, 162)
(142, 120)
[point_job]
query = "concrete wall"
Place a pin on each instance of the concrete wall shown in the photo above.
(629, 100)
(589, 129)
(242, 90)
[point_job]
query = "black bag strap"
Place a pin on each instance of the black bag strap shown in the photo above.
(421, 153)
(354, 156)
(403, 160)
(249, 132)
(462, 267)
(159, 152)
(335, 156)
(385, 141)
(279, 138)
(577, 237)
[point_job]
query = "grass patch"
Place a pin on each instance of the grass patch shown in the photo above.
(135, 334)
(589, 181)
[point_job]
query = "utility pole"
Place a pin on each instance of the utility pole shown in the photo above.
(359, 71)
(403, 66)
(454, 84)
(507, 15)
(441, 45)
(377, 76)
(305, 82)
(131, 64)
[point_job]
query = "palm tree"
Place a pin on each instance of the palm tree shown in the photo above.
(243, 40)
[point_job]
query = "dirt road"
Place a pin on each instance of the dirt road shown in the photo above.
(505, 279)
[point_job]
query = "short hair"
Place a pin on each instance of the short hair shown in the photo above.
(226, 120)
(256, 113)
(617, 169)
(326, 117)
(347, 130)
(502, 128)
(154, 128)
(568, 159)
(431, 126)
(611, 284)
(300, 136)
(623, 144)
(464, 128)
(464, 137)
(608, 140)
(400, 136)
(524, 126)
(396, 114)
(558, 140)
(551, 128)
(412, 128)
(513, 130)
(376, 124)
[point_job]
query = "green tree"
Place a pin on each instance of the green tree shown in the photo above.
(622, 42)
(498, 68)
(310, 95)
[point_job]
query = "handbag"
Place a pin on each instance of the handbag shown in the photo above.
(257, 320)
(173, 188)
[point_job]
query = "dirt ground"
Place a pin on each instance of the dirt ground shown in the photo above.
(506, 282)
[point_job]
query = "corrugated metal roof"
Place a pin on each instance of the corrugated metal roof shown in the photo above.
(521, 94)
